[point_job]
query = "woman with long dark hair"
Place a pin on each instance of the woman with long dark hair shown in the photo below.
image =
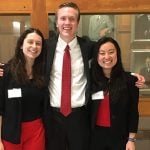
(115, 98)
(24, 95)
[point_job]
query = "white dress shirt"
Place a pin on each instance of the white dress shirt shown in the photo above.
(78, 78)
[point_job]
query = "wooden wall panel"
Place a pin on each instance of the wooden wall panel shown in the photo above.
(39, 16)
(144, 106)
(98, 6)
(104, 6)
(15, 6)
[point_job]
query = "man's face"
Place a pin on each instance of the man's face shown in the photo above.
(67, 23)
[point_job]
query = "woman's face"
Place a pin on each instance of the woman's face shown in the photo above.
(107, 56)
(32, 46)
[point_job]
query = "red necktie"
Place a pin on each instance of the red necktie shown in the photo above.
(65, 108)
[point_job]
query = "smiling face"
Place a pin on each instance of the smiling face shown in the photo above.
(107, 57)
(67, 23)
(32, 46)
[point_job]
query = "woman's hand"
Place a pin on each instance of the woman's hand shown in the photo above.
(130, 145)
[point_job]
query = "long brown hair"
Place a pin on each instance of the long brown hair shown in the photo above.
(17, 63)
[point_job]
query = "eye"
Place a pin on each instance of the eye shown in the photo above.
(30, 41)
(111, 52)
(38, 43)
(72, 19)
(62, 18)
(101, 53)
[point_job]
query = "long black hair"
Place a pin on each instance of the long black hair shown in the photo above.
(116, 81)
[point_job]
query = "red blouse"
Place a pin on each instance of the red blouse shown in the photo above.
(103, 113)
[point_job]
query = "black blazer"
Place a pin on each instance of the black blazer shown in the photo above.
(10, 109)
(123, 113)
(86, 49)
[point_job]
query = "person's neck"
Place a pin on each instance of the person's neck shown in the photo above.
(29, 65)
(67, 39)
(107, 72)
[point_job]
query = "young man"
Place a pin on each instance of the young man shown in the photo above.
(72, 131)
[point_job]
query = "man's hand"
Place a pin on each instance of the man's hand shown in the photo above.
(1, 69)
(1, 145)
(141, 80)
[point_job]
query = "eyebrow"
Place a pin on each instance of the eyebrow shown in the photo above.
(108, 49)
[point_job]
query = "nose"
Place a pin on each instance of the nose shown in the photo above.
(67, 21)
(34, 44)
(107, 55)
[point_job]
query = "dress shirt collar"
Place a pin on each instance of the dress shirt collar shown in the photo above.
(71, 44)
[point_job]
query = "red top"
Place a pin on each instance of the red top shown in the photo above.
(103, 113)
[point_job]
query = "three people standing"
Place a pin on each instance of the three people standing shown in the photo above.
(70, 131)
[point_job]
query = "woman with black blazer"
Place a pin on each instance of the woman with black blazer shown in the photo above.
(114, 105)
(24, 95)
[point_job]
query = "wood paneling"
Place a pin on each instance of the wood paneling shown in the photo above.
(144, 106)
(39, 16)
(104, 6)
(15, 6)
(96, 6)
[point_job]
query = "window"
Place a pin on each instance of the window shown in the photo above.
(11, 27)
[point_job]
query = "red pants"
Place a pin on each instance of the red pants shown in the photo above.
(32, 137)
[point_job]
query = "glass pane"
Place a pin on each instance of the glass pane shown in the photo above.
(96, 26)
(10, 28)
(52, 26)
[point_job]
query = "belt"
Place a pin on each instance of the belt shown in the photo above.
(56, 109)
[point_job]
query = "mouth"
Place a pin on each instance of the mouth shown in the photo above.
(107, 62)
(33, 51)
(66, 28)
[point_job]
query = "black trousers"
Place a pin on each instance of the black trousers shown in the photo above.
(67, 133)
(104, 139)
